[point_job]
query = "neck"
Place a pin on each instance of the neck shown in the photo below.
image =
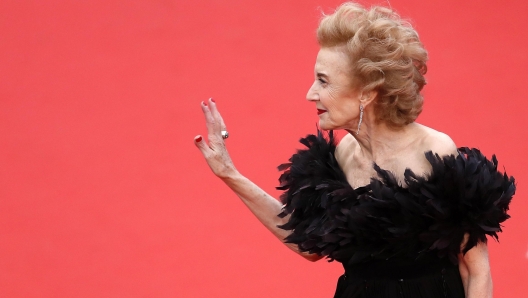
(376, 139)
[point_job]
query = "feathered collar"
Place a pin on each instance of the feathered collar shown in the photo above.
(464, 194)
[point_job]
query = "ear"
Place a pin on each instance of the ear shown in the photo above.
(367, 97)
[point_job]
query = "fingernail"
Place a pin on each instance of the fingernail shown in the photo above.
(198, 139)
(212, 99)
(204, 103)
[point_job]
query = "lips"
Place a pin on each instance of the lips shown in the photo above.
(319, 111)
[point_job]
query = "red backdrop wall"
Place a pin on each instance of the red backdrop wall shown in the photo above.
(102, 191)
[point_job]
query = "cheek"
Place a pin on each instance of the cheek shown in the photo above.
(331, 99)
(340, 115)
(340, 106)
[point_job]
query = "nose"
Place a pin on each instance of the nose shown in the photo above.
(312, 94)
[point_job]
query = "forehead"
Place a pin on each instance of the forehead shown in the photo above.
(332, 60)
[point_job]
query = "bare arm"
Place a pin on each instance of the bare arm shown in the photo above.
(475, 272)
(262, 205)
(265, 208)
(474, 265)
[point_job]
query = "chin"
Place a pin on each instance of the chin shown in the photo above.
(323, 125)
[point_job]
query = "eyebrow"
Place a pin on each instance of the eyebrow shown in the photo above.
(320, 74)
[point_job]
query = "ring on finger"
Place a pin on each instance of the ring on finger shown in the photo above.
(224, 134)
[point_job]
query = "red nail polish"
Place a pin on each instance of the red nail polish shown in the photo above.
(212, 99)
(204, 103)
(198, 139)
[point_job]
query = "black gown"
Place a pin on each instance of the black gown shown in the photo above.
(393, 241)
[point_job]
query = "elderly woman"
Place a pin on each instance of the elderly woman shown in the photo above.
(404, 210)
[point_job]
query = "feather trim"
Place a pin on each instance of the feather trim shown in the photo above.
(463, 194)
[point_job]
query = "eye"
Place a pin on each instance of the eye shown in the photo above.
(321, 81)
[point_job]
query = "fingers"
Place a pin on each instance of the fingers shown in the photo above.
(201, 144)
(213, 149)
(216, 114)
(210, 121)
(214, 122)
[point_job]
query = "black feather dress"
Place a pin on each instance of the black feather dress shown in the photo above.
(393, 241)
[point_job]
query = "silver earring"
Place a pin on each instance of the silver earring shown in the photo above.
(360, 117)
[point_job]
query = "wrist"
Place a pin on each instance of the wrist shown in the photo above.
(230, 174)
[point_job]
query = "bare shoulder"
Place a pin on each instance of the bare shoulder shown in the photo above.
(428, 139)
(345, 148)
(437, 142)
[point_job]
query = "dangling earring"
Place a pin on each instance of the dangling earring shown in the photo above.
(360, 117)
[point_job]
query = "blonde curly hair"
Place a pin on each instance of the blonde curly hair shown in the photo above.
(386, 55)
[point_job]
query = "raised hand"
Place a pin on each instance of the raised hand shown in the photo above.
(214, 149)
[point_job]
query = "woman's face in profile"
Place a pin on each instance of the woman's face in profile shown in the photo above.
(334, 90)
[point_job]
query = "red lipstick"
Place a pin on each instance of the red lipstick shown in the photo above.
(319, 111)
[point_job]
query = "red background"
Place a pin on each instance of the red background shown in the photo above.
(102, 191)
